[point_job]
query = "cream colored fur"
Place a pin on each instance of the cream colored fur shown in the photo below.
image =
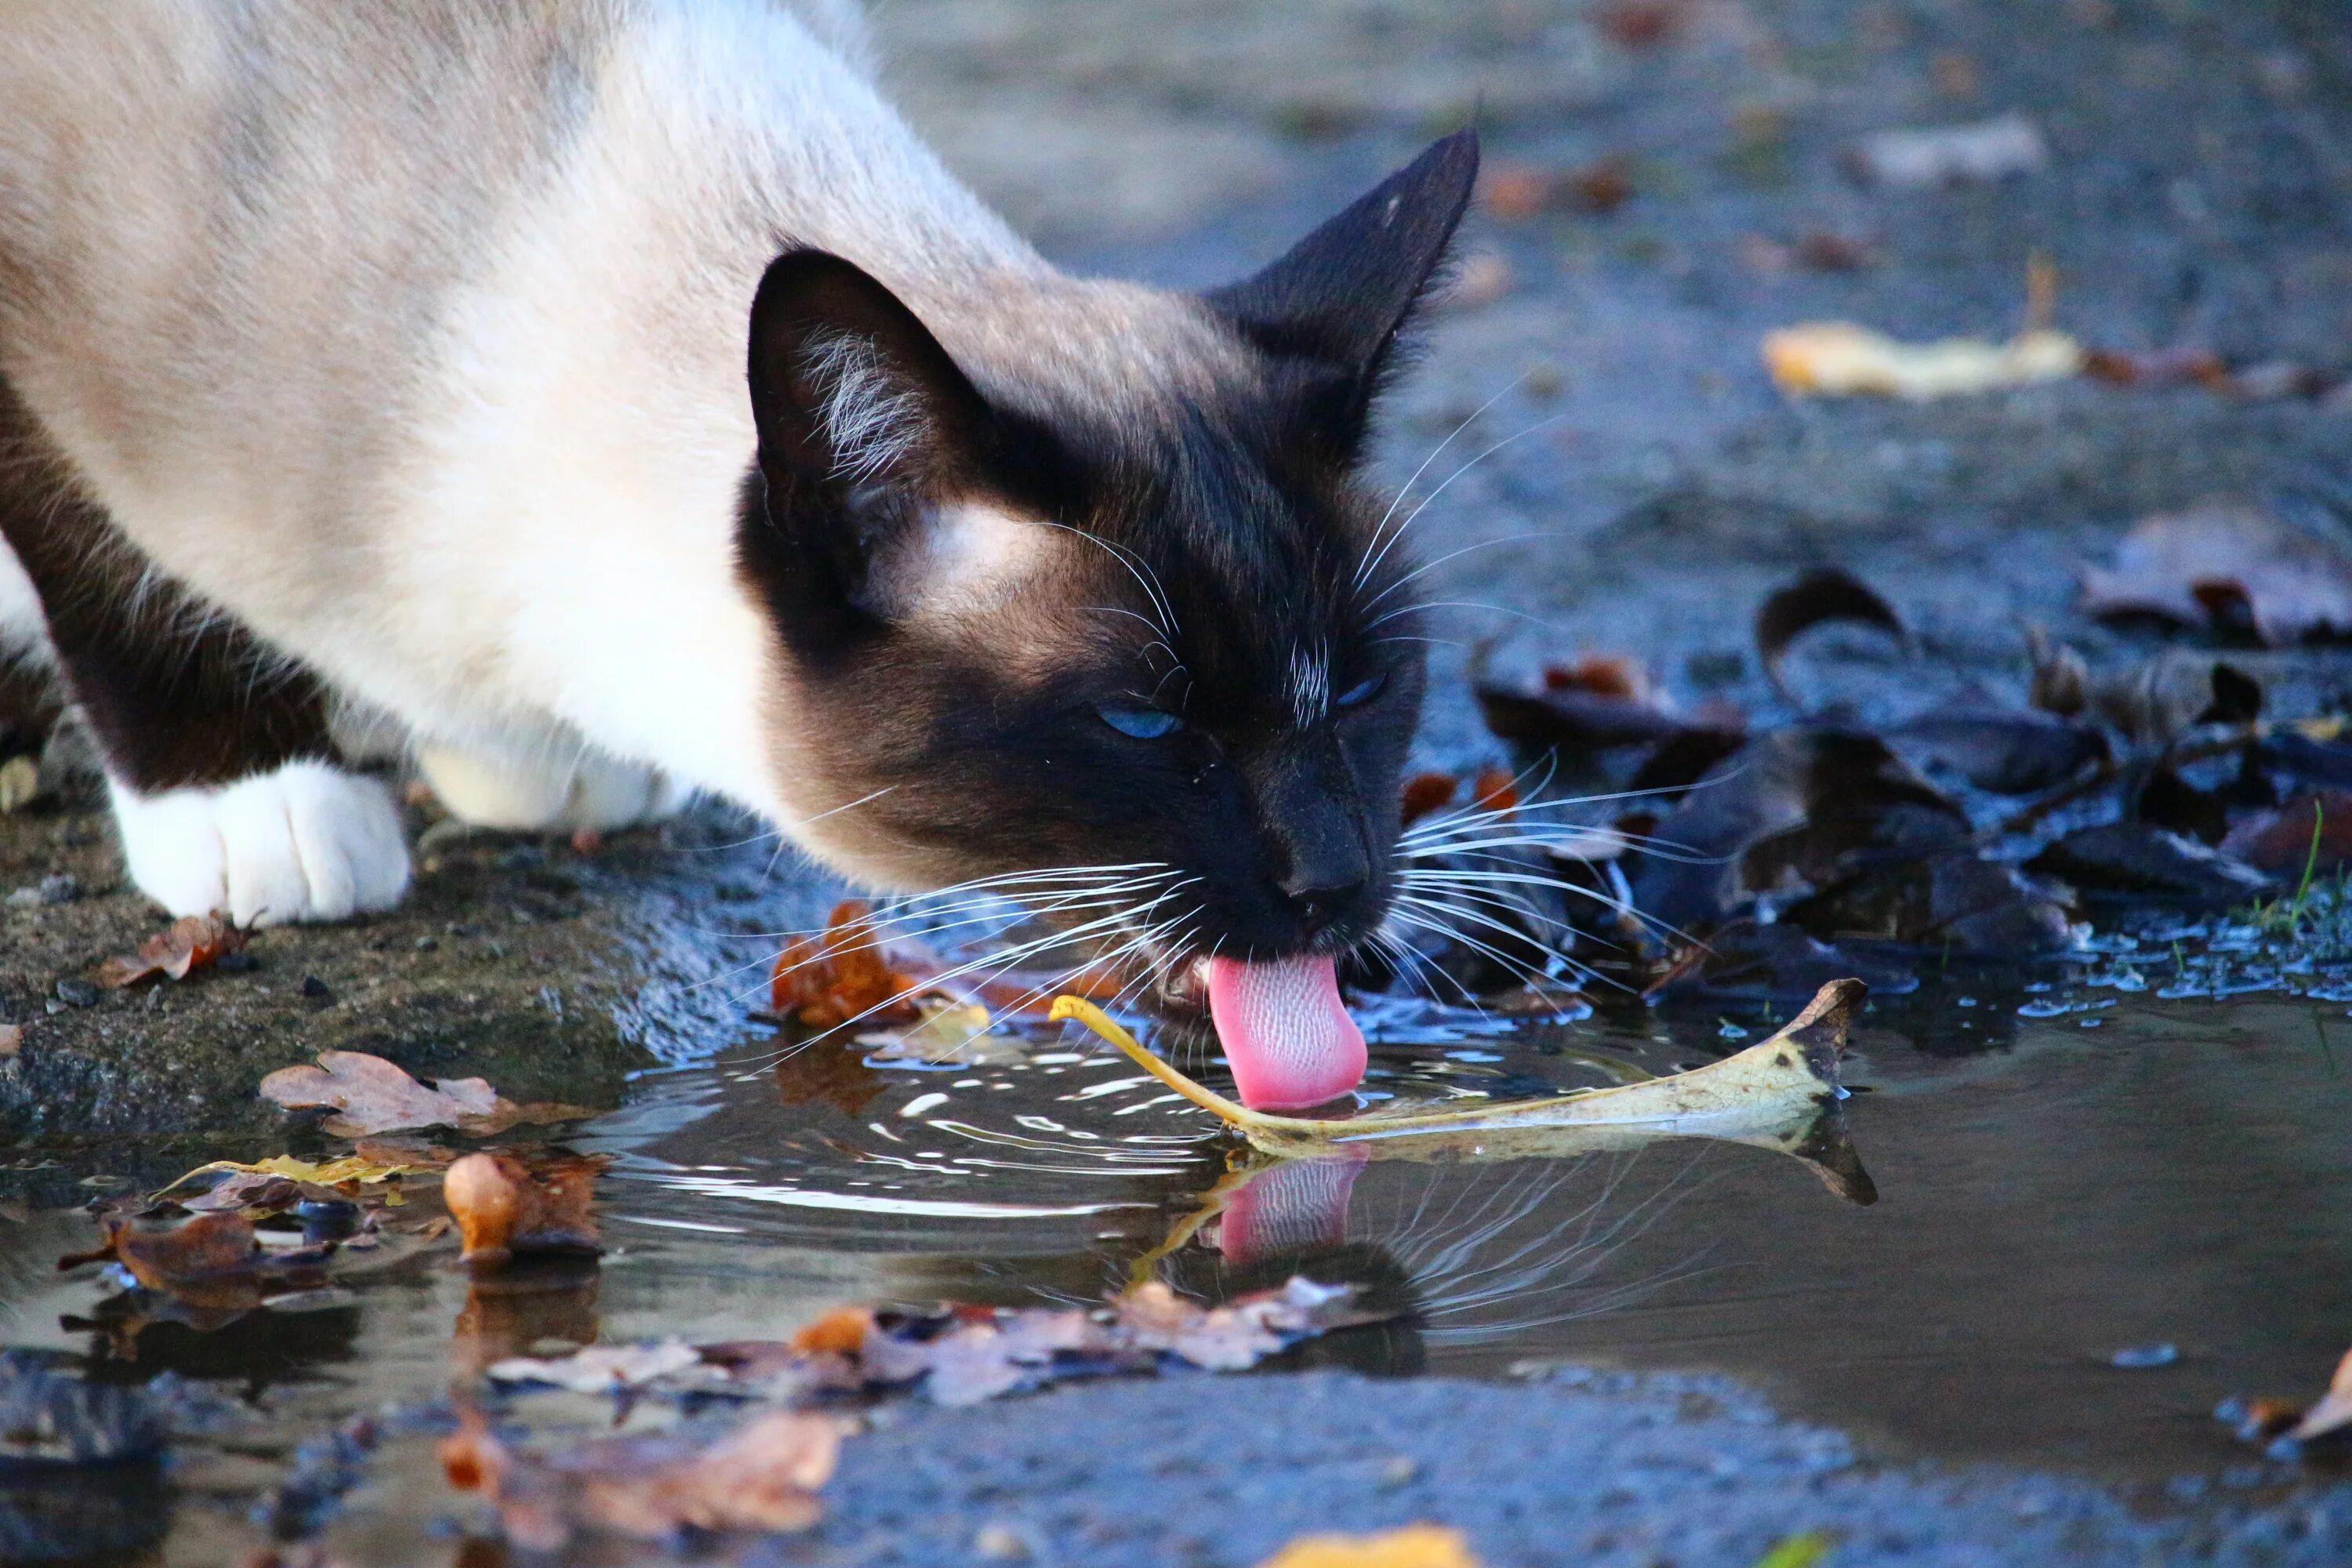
(412, 332)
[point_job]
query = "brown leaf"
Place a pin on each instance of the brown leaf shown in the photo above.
(844, 973)
(838, 1332)
(372, 1095)
(760, 1476)
(2281, 841)
(1825, 593)
(2159, 367)
(2229, 566)
(503, 1206)
(213, 1261)
(1641, 23)
(189, 943)
(1516, 192)
(12, 1039)
(1428, 793)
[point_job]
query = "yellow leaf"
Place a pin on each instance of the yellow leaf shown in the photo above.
(1797, 1551)
(1414, 1546)
(1839, 359)
(328, 1173)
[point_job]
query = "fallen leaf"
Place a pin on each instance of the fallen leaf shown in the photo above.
(1797, 1551)
(1980, 151)
(1790, 1076)
(1495, 789)
(1425, 794)
(2312, 831)
(948, 1034)
(12, 1039)
(1823, 595)
(2004, 751)
(2231, 566)
(2141, 860)
(842, 973)
(1641, 23)
(2333, 1414)
(213, 1261)
(762, 1475)
(1842, 359)
(839, 1332)
(600, 1369)
(1413, 1546)
(370, 1095)
(1791, 811)
(20, 784)
(2160, 367)
(352, 1172)
(189, 943)
(1572, 718)
(1516, 192)
(503, 1206)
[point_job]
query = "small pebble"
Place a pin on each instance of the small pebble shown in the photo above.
(2135, 1357)
(316, 989)
(999, 1544)
(59, 889)
(25, 898)
(427, 944)
(77, 992)
(237, 963)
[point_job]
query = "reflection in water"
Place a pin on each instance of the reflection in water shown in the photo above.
(2171, 1177)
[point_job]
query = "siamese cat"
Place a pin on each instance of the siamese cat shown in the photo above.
(614, 400)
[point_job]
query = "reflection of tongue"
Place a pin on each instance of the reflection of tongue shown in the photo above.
(1288, 1040)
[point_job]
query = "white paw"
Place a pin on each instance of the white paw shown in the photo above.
(307, 842)
(538, 796)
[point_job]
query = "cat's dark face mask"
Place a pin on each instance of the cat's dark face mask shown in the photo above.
(1152, 670)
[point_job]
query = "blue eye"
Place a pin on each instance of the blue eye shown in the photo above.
(1143, 724)
(1364, 690)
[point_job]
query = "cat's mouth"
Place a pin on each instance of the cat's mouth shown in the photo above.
(1280, 1023)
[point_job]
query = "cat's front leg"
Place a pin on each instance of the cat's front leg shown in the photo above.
(303, 841)
(557, 791)
(225, 787)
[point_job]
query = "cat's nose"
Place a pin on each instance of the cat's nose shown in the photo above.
(1321, 901)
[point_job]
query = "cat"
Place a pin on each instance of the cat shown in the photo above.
(613, 400)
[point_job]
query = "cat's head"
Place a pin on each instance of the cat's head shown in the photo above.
(1154, 638)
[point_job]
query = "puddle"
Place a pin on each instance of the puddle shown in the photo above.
(2054, 1201)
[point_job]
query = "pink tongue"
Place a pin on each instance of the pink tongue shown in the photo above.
(1288, 1040)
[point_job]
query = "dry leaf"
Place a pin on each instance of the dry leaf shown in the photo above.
(839, 1332)
(189, 943)
(370, 1095)
(948, 1033)
(12, 1039)
(503, 1206)
(843, 974)
(20, 784)
(1825, 593)
(1414, 1546)
(2228, 565)
(2314, 830)
(1427, 792)
(1786, 1077)
(760, 1476)
(2333, 1414)
(213, 1261)
(1841, 359)
(600, 1369)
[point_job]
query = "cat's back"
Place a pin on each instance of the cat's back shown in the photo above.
(251, 214)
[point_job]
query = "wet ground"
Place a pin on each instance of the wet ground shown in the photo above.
(1679, 1355)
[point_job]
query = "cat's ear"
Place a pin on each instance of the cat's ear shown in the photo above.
(863, 419)
(849, 390)
(1340, 298)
